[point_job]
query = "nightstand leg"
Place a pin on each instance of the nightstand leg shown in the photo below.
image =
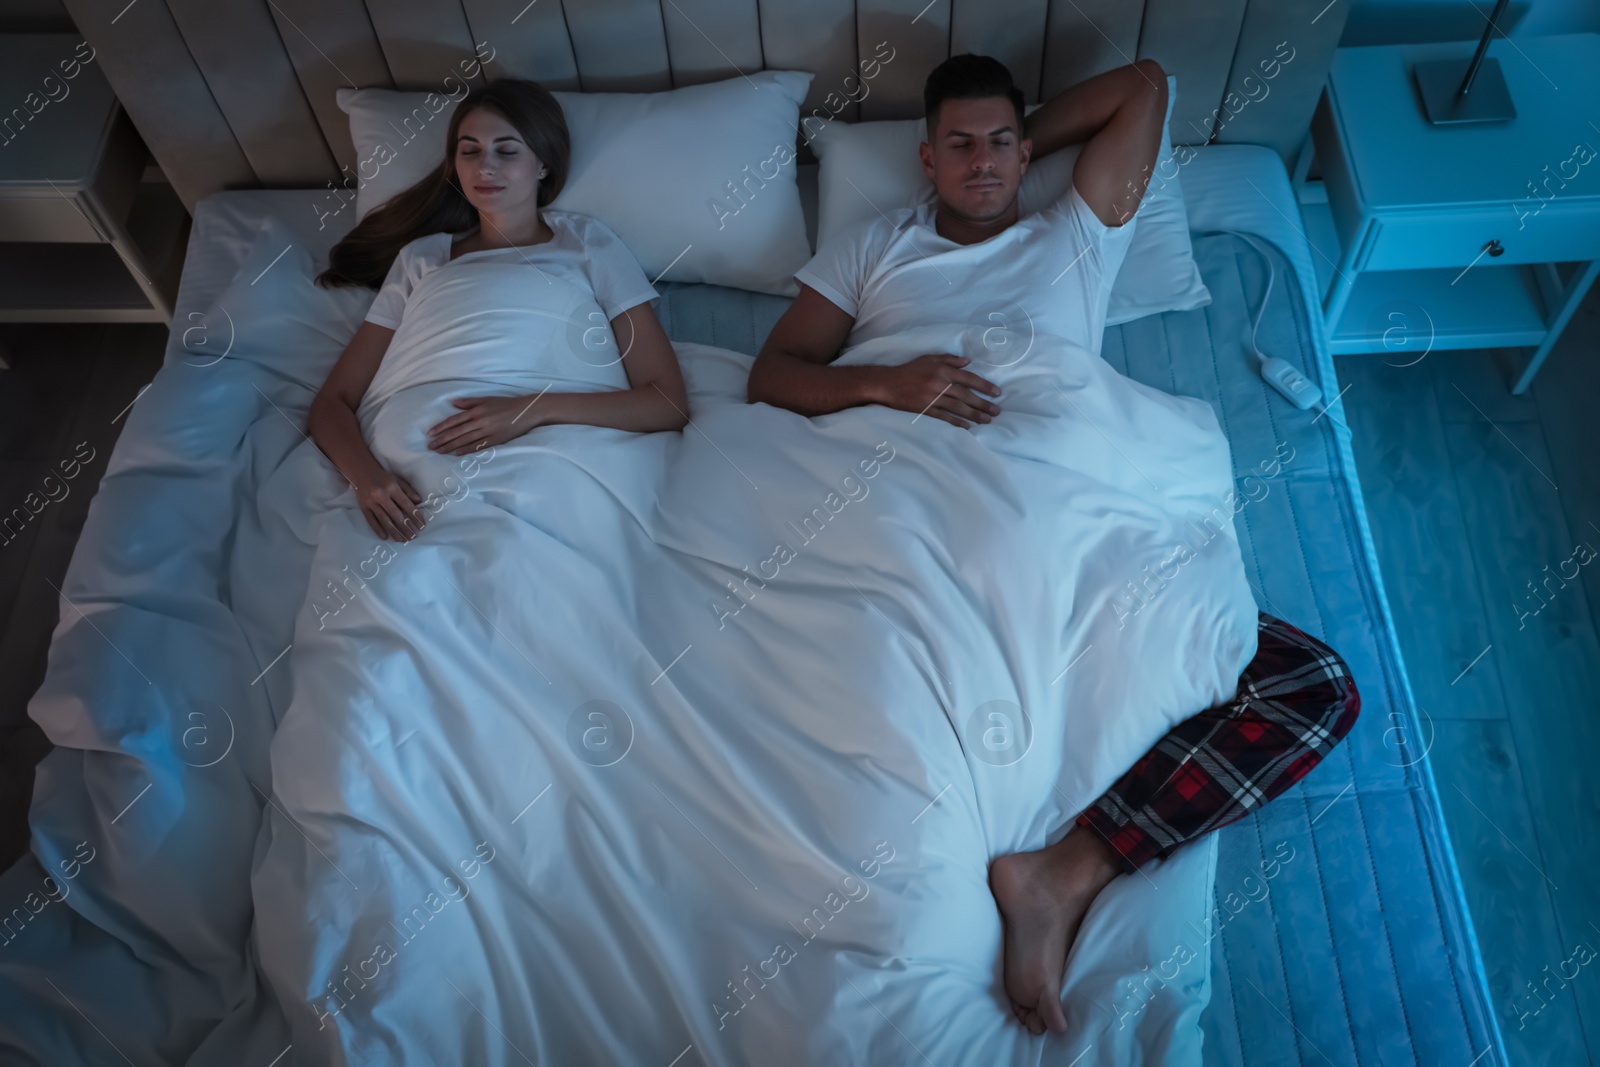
(1572, 298)
(1339, 287)
(1302, 164)
(1344, 278)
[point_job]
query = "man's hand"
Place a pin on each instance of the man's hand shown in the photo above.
(936, 385)
(483, 421)
(391, 506)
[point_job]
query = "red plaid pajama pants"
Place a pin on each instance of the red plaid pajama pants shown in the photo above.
(1296, 700)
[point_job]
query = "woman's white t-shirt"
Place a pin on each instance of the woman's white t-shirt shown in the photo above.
(583, 250)
(507, 320)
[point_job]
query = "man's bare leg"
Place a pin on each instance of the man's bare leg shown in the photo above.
(1271, 743)
(1043, 897)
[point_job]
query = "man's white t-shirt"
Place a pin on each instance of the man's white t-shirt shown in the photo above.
(583, 251)
(1050, 272)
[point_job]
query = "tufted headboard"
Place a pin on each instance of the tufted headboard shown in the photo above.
(233, 94)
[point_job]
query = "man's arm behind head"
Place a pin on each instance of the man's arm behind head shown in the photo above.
(1118, 115)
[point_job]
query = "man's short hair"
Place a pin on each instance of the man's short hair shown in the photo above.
(968, 77)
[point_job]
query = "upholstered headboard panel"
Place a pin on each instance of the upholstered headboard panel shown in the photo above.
(240, 93)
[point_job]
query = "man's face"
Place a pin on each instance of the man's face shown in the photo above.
(976, 157)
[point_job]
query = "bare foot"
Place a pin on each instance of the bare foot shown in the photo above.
(1043, 897)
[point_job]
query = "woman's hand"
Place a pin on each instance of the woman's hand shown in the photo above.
(481, 422)
(391, 506)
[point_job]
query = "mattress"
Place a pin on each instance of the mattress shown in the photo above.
(1338, 905)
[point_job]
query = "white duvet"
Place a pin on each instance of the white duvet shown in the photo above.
(706, 740)
(696, 747)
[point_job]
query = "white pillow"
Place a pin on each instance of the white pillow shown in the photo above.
(273, 313)
(872, 167)
(700, 180)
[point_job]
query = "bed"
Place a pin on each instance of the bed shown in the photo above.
(1338, 933)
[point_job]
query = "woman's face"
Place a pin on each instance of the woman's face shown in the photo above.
(498, 172)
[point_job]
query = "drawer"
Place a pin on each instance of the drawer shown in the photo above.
(43, 218)
(39, 210)
(1559, 233)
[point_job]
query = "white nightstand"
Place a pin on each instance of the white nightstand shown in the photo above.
(1460, 236)
(82, 237)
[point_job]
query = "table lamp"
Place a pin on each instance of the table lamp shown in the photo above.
(1476, 92)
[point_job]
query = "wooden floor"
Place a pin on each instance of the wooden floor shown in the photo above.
(1483, 507)
(64, 398)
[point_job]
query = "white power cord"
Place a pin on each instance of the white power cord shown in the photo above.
(1279, 373)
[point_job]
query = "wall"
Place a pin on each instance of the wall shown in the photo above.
(1408, 21)
(35, 16)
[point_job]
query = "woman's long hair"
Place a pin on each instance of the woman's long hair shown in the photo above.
(365, 254)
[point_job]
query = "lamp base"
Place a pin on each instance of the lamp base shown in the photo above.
(1488, 101)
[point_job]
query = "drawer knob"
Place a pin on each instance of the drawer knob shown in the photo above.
(1495, 248)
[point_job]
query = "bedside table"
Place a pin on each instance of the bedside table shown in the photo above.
(82, 237)
(1460, 236)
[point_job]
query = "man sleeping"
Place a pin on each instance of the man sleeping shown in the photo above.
(948, 261)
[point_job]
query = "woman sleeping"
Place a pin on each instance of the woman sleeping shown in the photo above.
(470, 258)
